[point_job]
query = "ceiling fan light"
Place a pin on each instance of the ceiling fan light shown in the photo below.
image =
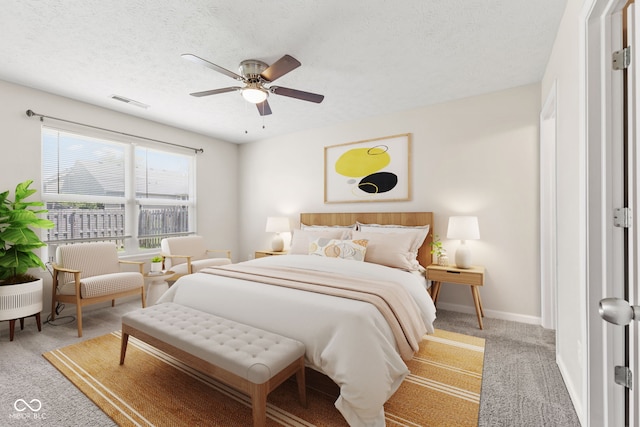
(254, 95)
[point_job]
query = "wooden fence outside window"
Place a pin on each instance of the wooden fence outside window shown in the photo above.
(73, 225)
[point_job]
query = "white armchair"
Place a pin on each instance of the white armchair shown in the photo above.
(89, 273)
(186, 255)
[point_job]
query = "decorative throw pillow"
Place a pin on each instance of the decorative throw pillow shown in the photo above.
(335, 248)
(390, 249)
(419, 232)
(300, 239)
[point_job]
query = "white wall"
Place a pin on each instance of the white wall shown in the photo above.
(216, 167)
(564, 67)
(475, 156)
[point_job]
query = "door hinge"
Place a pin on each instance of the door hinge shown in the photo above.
(622, 59)
(623, 376)
(622, 217)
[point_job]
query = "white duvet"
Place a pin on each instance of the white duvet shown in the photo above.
(347, 340)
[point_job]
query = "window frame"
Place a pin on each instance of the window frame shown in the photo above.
(132, 204)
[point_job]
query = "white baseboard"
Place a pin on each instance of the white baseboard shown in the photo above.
(502, 315)
(573, 395)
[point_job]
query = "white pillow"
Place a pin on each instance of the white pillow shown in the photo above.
(335, 248)
(419, 232)
(300, 239)
(390, 249)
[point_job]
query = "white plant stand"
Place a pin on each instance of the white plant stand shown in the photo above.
(20, 301)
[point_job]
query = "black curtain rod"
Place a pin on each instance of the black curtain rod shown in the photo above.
(30, 113)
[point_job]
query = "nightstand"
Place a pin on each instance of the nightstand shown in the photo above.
(473, 277)
(261, 254)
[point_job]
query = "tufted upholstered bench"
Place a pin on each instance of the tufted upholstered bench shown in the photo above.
(249, 359)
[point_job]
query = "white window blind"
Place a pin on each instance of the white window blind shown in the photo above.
(162, 175)
(76, 165)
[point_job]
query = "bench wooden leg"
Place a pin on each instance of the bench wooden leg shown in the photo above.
(123, 347)
(300, 378)
(259, 404)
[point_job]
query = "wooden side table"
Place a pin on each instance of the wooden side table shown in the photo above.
(262, 254)
(473, 277)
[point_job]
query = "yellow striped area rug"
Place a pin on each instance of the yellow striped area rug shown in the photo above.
(154, 389)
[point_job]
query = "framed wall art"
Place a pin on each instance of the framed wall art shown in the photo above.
(374, 170)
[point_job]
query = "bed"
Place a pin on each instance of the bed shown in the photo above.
(351, 341)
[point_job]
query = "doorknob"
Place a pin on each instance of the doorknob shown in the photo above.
(618, 311)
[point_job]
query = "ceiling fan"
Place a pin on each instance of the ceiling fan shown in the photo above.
(256, 75)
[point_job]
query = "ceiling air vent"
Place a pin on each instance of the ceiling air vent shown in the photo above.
(129, 101)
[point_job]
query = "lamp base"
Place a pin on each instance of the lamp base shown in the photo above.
(463, 256)
(277, 244)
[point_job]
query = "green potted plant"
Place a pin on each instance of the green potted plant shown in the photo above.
(18, 242)
(439, 251)
(156, 264)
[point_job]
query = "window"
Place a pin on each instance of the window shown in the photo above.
(98, 189)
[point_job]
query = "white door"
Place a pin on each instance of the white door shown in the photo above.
(548, 207)
(632, 332)
(622, 370)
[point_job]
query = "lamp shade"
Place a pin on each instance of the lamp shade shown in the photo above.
(463, 228)
(277, 224)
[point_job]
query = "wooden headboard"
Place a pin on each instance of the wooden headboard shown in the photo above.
(385, 218)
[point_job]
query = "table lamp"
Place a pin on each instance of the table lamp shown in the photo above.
(277, 224)
(463, 228)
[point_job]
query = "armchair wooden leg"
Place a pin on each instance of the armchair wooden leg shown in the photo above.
(79, 316)
(53, 306)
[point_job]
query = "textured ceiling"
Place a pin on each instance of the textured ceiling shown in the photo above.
(368, 57)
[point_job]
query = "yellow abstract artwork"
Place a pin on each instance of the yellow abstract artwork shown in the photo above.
(368, 171)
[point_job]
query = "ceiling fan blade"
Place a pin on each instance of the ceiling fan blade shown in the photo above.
(263, 108)
(215, 91)
(298, 94)
(198, 60)
(279, 68)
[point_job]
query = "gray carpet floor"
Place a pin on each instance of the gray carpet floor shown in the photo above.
(521, 383)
